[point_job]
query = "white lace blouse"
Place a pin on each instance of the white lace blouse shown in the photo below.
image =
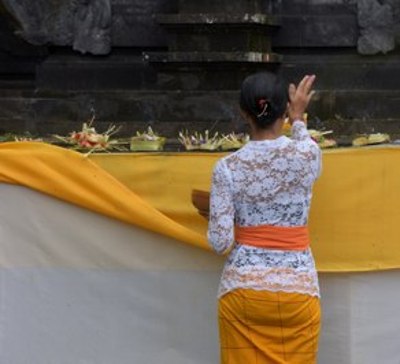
(267, 182)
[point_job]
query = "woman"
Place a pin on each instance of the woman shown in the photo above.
(269, 309)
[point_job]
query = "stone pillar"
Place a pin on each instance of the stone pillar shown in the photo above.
(214, 44)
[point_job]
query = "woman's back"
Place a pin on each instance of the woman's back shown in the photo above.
(272, 181)
(267, 182)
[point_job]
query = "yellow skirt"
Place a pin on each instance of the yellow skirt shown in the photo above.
(264, 327)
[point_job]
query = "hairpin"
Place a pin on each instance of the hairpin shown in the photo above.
(263, 104)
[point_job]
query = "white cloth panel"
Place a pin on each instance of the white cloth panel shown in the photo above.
(79, 288)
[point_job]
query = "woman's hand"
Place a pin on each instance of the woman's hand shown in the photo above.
(299, 98)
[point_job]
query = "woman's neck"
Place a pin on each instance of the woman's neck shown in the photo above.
(274, 132)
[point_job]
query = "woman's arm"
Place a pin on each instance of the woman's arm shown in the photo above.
(222, 212)
(307, 147)
(299, 98)
(299, 131)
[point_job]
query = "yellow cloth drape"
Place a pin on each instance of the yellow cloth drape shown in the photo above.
(354, 216)
(71, 177)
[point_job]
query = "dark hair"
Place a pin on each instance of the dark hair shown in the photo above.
(264, 96)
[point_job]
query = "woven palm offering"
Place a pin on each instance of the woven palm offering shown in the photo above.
(147, 141)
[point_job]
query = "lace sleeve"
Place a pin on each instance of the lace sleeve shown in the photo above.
(299, 131)
(308, 146)
(222, 211)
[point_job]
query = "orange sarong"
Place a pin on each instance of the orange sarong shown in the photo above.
(263, 327)
(274, 237)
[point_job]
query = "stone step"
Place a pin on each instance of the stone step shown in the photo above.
(357, 104)
(72, 72)
(24, 67)
(344, 130)
(336, 69)
(19, 85)
(346, 111)
(341, 70)
(13, 125)
(15, 107)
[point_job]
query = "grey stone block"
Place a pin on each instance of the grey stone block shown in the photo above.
(17, 65)
(316, 7)
(357, 104)
(344, 70)
(222, 40)
(209, 71)
(237, 6)
(117, 71)
(219, 32)
(317, 31)
(134, 22)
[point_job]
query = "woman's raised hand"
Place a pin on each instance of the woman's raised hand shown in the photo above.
(299, 97)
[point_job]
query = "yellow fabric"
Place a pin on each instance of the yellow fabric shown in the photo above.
(355, 212)
(74, 178)
(165, 181)
(262, 327)
(354, 216)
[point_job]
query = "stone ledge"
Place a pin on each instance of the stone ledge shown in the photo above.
(214, 19)
(212, 57)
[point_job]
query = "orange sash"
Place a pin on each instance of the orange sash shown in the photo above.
(273, 237)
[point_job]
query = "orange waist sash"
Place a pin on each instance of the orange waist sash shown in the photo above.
(273, 237)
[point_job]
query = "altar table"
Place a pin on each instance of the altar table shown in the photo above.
(104, 258)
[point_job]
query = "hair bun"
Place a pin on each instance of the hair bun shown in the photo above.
(264, 97)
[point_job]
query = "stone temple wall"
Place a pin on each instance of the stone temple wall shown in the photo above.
(59, 59)
(95, 26)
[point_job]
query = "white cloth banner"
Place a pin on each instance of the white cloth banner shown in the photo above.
(79, 288)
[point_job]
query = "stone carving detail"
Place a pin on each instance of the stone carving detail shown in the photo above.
(85, 24)
(92, 26)
(379, 26)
